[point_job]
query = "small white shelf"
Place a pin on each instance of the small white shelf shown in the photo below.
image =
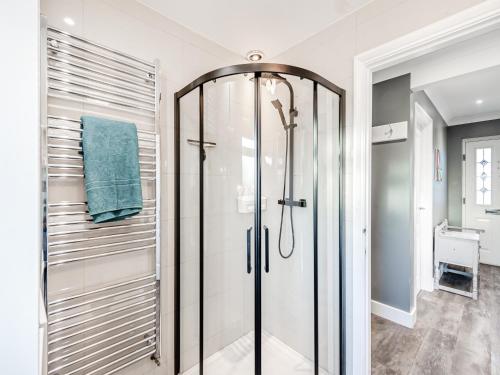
(246, 204)
(397, 131)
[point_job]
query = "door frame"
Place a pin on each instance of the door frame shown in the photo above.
(464, 180)
(470, 22)
(423, 266)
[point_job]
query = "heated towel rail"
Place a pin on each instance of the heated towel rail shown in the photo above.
(101, 281)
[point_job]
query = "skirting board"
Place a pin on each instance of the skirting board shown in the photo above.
(395, 315)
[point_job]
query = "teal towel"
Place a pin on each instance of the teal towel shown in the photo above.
(111, 169)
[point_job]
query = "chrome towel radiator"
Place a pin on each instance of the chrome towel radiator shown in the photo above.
(101, 281)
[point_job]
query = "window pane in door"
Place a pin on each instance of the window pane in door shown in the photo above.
(483, 176)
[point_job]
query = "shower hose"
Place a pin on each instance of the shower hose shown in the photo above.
(286, 256)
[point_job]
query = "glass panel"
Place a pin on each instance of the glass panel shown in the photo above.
(483, 176)
(479, 184)
(487, 183)
(328, 231)
(487, 154)
(487, 168)
(229, 188)
(288, 289)
(190, 235)
(479, 197)
(479, 154)
(487, 198)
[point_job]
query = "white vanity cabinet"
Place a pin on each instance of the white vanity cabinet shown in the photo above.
(457, 252)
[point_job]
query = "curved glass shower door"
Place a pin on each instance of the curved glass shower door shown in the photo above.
(228, 233)
(258, 282)
(216, 234)
(287, 185)
(300, 236)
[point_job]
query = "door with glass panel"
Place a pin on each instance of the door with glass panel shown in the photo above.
(482, 194)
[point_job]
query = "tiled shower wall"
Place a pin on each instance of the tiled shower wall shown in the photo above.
(132, 28)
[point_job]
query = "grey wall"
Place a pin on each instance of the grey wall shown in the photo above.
(392, 240)
(455, 135)
(440, 188)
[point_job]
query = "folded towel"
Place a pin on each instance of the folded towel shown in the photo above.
(111, 169)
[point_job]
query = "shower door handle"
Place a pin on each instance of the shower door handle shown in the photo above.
(266, 240)
(249, 250)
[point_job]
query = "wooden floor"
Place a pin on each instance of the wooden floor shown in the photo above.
(453, 335)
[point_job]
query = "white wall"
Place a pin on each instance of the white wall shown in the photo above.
(130, 27)
(20, 188)
(331, 52)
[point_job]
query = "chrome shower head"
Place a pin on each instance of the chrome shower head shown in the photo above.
(279, 107)
(277, 104)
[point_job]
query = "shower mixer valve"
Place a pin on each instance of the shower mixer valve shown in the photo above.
(291, 203)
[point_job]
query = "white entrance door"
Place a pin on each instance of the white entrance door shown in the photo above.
(481, 180)
(423, 186)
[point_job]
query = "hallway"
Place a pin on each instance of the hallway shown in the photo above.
(453, 334)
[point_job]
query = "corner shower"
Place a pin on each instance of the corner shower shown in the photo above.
(243, 304)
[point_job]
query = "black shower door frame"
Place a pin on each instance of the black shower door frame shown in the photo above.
(257, 69)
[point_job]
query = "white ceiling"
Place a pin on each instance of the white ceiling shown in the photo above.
(455, 98)
(272, 26)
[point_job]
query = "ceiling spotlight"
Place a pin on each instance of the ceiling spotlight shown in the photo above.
(69, 21)
(255, 55)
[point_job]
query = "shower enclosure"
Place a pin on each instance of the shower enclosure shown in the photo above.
(258, 223)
